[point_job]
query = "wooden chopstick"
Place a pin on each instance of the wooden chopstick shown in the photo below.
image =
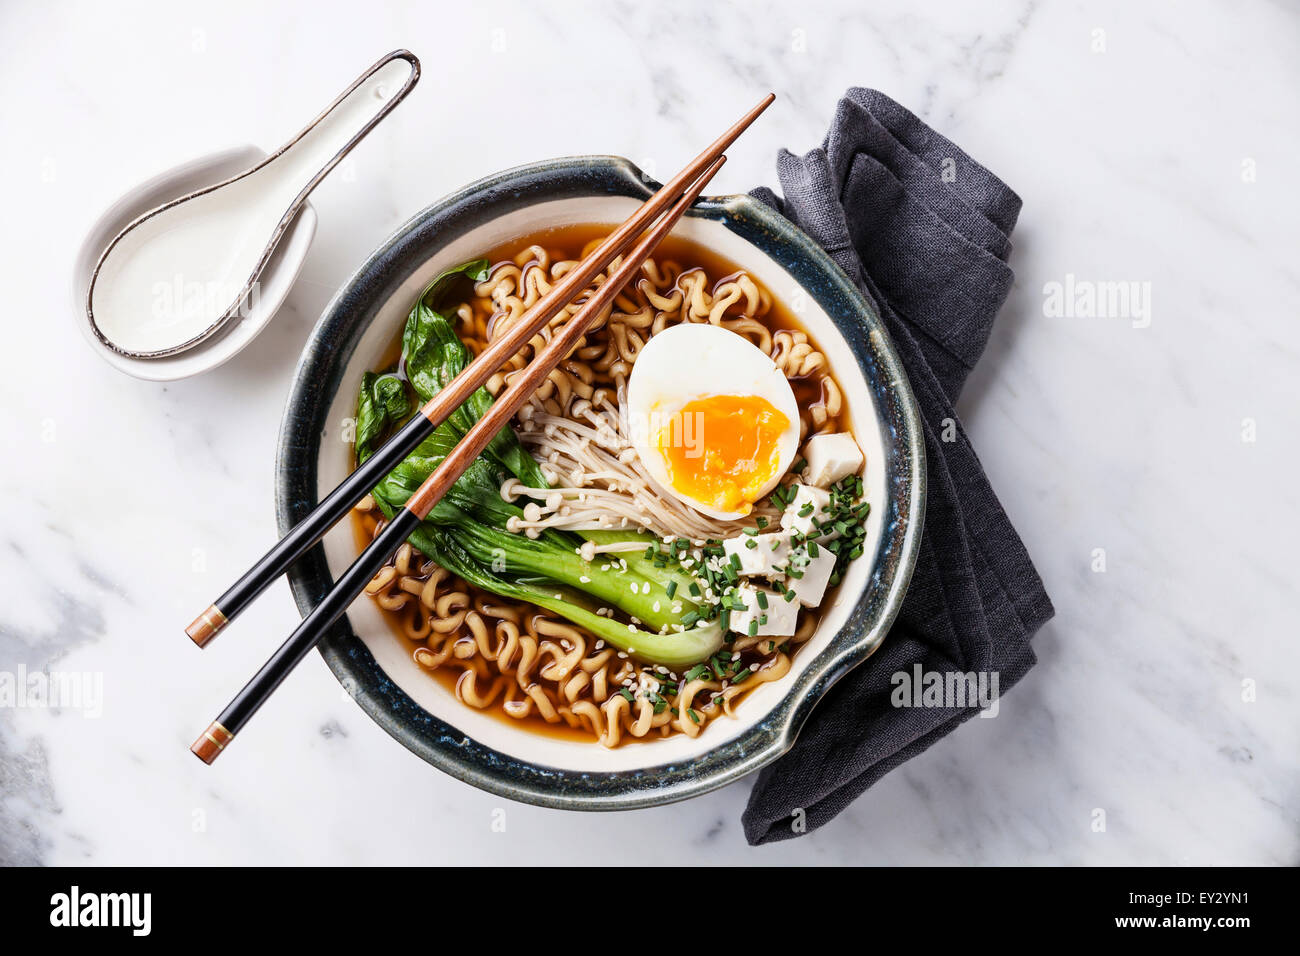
(222, 730)
(358, 484)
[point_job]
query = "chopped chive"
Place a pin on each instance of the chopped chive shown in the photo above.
(628, 694)
(762, 522)
(806, 510)
(762, 600)
(671, 589)
(695, 589)
(789, 596)
(751, 544)
(812, 553)
(742, 675)
(751, 531)
(799, 466)
(694, 716)
(735, 561)
(753, 629)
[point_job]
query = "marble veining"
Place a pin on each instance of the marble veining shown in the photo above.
(1146, 459)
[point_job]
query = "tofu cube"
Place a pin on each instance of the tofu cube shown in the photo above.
(830, 458)
(778, 619)
(810, 588)
(767, 558)
(812, 500)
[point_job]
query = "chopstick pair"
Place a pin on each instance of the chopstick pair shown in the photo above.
(358, 484)
(681, 192)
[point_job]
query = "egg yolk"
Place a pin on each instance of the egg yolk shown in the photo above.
(722, 449)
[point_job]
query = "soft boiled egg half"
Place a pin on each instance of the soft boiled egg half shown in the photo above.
(713, 420)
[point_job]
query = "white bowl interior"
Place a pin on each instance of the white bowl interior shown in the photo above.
(276, 280)
(489, 729)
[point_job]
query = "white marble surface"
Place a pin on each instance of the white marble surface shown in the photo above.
(126, 505)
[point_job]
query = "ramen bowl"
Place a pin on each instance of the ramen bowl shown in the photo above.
(485, 749)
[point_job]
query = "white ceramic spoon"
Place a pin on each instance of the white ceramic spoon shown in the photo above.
(177, 274)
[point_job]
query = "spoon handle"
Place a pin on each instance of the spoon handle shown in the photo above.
(323, 142)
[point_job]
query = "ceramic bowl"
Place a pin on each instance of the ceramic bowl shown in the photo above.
(275, 281)
(484, 749)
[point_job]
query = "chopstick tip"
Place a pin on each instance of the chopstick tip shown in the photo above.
(757, 110)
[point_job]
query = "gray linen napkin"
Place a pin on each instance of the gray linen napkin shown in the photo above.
(923, 230)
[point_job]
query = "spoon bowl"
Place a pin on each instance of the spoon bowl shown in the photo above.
(275, 282)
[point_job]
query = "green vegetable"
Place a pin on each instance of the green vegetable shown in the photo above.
(467, 532)
(433, 355)
(675, 649)
(381, 405)
(669, 572)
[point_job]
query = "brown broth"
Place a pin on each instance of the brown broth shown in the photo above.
(363, 530)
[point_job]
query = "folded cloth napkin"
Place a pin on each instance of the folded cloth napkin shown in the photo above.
(923, 230)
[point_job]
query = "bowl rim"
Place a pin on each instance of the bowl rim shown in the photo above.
(316, 379)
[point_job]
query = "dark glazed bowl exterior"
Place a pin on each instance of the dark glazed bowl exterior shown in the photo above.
(317, 379)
